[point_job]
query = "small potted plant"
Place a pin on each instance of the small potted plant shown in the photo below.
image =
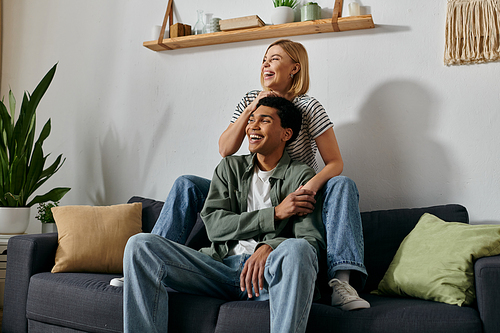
(283, 11)
(46, 217)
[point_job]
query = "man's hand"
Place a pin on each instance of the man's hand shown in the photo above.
(253, 272)
(301, 202)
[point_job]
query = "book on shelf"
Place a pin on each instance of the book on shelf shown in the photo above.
(252, 21)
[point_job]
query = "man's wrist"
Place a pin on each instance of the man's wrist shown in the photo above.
(276, 217)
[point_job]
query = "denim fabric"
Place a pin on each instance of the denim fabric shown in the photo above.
(151, 263)
(184, 202)
(344, 231)
(341, 217)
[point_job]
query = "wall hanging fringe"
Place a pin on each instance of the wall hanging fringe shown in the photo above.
(472, 32)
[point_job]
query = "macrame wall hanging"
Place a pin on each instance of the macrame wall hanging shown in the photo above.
(472, 32)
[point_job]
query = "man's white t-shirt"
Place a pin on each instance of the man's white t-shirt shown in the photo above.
(258, 198)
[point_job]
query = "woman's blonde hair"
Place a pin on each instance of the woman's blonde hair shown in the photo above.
(298, 53)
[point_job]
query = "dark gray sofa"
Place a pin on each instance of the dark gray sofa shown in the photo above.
(39, 301)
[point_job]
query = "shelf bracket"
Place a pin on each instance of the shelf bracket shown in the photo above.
(169, 16)
(337, 12)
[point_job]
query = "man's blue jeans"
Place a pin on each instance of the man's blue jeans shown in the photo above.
(341, 217)
(151, 263)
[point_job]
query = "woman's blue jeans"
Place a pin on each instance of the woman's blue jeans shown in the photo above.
(341, 217)
(151, 263)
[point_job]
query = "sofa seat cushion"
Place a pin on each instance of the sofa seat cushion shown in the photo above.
(386, 315)
(246, 316)
(86, 302)
(81, 301)
(389, 314)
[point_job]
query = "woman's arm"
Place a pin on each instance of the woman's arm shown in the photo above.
(330, 153)
(231, 139)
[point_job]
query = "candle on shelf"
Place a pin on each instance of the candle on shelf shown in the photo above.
(354, 9)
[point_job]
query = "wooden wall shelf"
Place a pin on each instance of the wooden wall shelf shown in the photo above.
(335, 24)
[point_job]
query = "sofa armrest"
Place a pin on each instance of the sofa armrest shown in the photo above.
(27, 255)
(487, 277)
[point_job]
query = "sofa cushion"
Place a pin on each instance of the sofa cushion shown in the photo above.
(387, 315)
(395, 315)
(435, 261)
(81, 301)
(243, 317)
(86, 302)
(92, 239)
(150, 211)
(385, 230)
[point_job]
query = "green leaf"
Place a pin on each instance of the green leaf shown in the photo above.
(18, 174)
(47, 173)
(285, 3)
(23, 129)
(35, 169)
(44, 133)
(55, 194)
(13, 200)
(42, 87)
(5, 126)
(52, 169)
(12, 105)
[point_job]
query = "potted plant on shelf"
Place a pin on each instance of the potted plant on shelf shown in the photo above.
(46, 217)
(22, 161)
(283, 11)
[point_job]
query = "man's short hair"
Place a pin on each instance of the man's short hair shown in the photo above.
(290, 116)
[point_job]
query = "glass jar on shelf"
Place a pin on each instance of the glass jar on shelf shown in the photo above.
(199, 26)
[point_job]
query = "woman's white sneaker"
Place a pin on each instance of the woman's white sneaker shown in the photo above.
(345, 296)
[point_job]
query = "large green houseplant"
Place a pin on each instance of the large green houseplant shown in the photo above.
(22, 160)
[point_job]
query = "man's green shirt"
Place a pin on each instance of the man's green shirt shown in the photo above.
(225, 212)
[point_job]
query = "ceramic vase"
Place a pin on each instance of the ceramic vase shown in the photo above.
(14, 220)
(48, 227)
(282, 15)
(310, 11)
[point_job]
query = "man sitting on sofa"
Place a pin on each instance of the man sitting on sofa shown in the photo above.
(263, 245)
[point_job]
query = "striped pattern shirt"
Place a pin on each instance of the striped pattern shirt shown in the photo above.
(315, 121)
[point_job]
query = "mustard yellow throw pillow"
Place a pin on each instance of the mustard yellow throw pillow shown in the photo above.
(436, 261)
(92, 239)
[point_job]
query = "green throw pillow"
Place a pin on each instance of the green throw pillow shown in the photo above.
(436, 261)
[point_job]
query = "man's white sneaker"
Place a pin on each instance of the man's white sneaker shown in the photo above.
(117, 282)
(345, 296)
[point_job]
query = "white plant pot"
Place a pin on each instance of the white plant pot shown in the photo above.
(282, 15)
(14, 220)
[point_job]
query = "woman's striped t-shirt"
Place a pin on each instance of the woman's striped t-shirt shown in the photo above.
(315, 121)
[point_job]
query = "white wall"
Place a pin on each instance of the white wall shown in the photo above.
(129, 120)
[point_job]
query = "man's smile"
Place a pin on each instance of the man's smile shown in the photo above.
(254, 138)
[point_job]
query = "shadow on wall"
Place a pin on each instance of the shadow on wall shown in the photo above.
(390, 153)
(126, 163)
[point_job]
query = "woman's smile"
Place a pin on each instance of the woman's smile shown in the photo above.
(276, 70)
